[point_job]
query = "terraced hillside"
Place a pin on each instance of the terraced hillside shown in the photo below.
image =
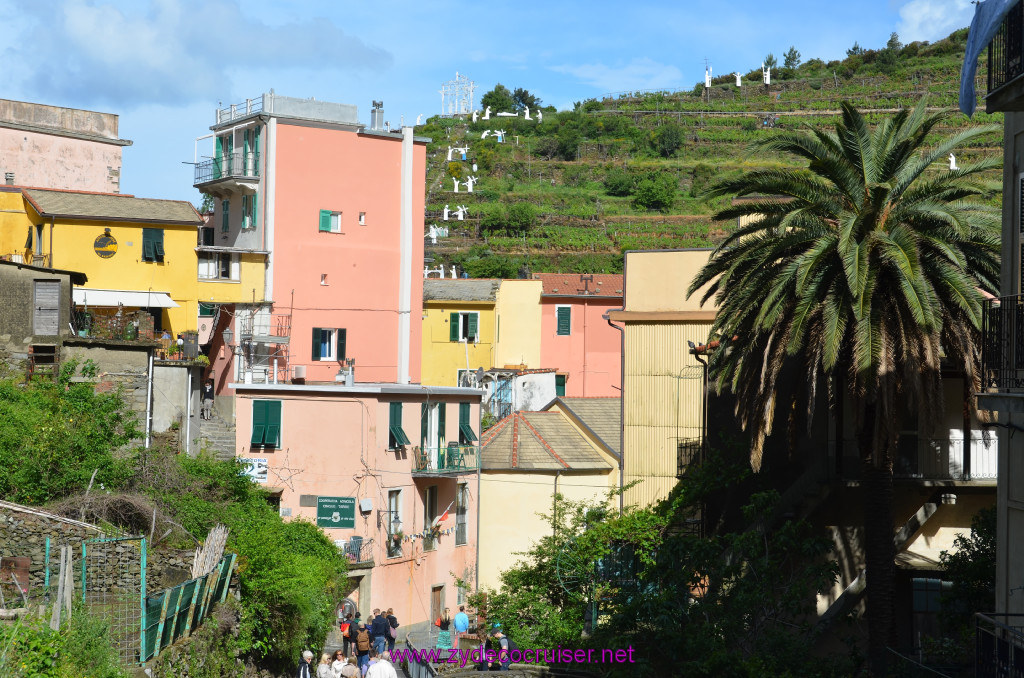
(573, 192)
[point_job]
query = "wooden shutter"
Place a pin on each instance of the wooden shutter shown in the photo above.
(218, 157)
(245, 212)
(273, 438)
(339, 352)
(474, 320)
(225, 216)
(259, 422)
(316, 343)
(148, 250)
(256, 150)
(564, 318)
(46, 313)
(254, 205)
(453, 329)
(560, 385)
(158, 243)
(466, 434)
(442, 409)
(325, 221)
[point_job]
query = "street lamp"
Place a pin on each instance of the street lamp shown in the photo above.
(227, 335)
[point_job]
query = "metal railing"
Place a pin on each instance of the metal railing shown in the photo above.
(689, 452)
(931, 458)
(998, 645)
(1002, 344)
(236, 164)
(1005, 53)
(235, 111)
(359, 551)
(451, 459)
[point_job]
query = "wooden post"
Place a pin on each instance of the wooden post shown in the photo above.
(227, 582)
(197, 583)
(69, 585)
(160, 626)
(61, 577)
(177, 610)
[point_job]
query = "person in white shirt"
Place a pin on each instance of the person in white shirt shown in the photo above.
(382, 668)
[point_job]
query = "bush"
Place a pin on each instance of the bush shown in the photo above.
(32, 650)
(521, 217)
(454, 169)
(702, 176)
(618, 182)
(656, 191)
(575, 175)
(668, 139)
(493, 219)
(568, 139)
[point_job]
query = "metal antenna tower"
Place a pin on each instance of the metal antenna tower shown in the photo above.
(457, 96)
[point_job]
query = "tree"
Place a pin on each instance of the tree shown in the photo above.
(859, 279)
(656, 191)
(769, 61)
(523, 99)
(856, 50)
(894, 44)
(792, 57)
(618, 182)
(499, 99)
(668, 139)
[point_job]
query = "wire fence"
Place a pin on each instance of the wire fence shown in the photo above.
(114, 587)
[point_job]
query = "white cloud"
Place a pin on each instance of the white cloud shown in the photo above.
(169, 51)
(933, 19)
(642, 73)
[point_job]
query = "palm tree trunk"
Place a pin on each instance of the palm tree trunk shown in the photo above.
(879, 552)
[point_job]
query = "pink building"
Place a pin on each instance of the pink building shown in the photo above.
(575, 339)
(57, 147)
(333, 213)
(390, 472)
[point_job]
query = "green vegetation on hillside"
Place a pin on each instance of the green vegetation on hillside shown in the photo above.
(629, 171)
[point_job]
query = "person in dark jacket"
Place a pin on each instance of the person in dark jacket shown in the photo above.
(305, 669)
(392, 630)
(206, 401)
(379, 631)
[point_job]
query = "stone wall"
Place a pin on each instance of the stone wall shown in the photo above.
(119, 364)
(110, 567)
(17, 289)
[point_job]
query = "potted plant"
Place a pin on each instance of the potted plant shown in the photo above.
(397, 536)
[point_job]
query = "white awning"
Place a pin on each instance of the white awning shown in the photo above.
(131, 298)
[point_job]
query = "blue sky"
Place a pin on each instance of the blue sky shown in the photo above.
(163, 65)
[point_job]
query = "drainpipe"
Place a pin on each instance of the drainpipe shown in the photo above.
(188, 410)
(622, 396)
(554, 506)
(479, 471)
(50, 257)
(149, 399)
(405, 246)
(704, 401)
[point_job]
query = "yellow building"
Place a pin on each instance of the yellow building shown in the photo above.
(136, 252)
(459, 328)
(518, 319)
(663, 385)
(571, 449)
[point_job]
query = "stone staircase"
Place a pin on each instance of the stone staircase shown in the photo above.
(217, 436)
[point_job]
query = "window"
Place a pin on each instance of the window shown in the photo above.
(207, 310)
(249, 212)
(396, 436)
(560, 385)
(429, 514)
(362, 218)
(266, 423)
(323, 279)
(225, 216)
(394, 525)
(461, 509)
(330, 222)
(207, 236)
(328, 344)
(466, 435)
(219, 266)
(432, 428)
(928, 594)
(39, 239)
(563, 320)
(464, 327)
(152, 244)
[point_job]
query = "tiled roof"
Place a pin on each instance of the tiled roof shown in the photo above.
(572, 284)
(459, 289)
(543, 441)
(603, 416)
(80, 205)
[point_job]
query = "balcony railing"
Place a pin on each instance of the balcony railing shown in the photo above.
(926, 459)
(236, 111)
(1006, 51)
(689, 452)
(998, 645)
(446, 460)
(358, 551)
(234, 165)
(1002, 347)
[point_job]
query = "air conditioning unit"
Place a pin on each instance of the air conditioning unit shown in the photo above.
(299, 373)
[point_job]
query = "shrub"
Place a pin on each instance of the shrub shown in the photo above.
(702, 175)
(568, 140)
(668, 139)
(454, 169)
(575, 175)
(618, 182)
(656, 191)
(521, 217)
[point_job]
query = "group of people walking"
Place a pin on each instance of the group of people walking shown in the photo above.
(444, 624)
(340, 666)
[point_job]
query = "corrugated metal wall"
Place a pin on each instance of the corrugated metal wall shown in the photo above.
(663, 403)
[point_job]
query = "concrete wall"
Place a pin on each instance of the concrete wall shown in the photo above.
(176, 389)
(336, 445)
(518, 340)
(531, 392)
(17, 290)
(442, 357)
(658, 281)
(591, 354)
(120, 365)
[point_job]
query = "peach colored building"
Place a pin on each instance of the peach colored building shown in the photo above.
(375, 465)
(575, 338)
(57, 147)
(335, 212)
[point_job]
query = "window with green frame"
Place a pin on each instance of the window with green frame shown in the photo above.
(560, 385)
(464, 327)
(152, 244)
(466, 435)
(225, 216)
(563, 316)
(266, 423)
(207, 310)
(396, 436)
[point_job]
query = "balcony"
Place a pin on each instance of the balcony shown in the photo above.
(933, 460)
(998, 645)
(242, 110)
(445, 461)
(689, 452)
(1002, 344)
(358, 552)
(235, 172)
(1006, 63)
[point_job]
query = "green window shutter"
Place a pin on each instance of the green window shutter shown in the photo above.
(207, 310)
(466, 434)
(473, 319)
(442, 409)
(325, 220)
(245, 146)
(342, 340)
(273, 437)
(564, 317)
(225, 216)
(463, 413)
(256, 148)
(218, 157)
(453, 328)
(254, 205)
(158, 243)
(398, 436)
(259, 421)
(316, 343)
(245, 211)
(424, 423)
(560, 385)
(148, 248)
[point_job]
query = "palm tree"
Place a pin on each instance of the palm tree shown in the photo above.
(858, 275)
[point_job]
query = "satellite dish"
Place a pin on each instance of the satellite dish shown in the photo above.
(479, 374)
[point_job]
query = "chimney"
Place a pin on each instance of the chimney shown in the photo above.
(9, 178)
(377, 115)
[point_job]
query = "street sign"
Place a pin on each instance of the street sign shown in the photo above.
(336, 512)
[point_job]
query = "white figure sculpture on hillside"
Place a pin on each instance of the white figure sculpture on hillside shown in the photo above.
(766, 74)
(460, 213)
(456, 184)
(474, 165)
(486, 133)
(469, 183)
(540, 116)
(474, 114)
(952, 162)
(449, 154)
(446, 212)
(508, 114)
(419, 119)
(739, 80)
(527, 114)
(487, 113)
(462, 150)
(432, 234)
(501, 135)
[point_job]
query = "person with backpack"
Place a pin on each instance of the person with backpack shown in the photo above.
(363, 645)
(344, 627)
(392, 629)
(379, 630)
(505, 646)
